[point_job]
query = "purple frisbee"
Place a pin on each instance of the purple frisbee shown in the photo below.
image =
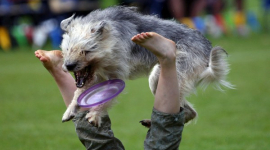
(101, 93)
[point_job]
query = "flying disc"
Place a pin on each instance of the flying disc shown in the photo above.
(101, 93)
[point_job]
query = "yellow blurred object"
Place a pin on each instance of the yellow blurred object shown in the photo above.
(188, 22)
(240, 19)
(4, 39)
(34, 4)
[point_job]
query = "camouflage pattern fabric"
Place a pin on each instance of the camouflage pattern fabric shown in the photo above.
(165, 132)
(94, 138)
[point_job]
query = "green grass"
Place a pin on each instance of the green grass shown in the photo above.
(236, 119)
(31, 105)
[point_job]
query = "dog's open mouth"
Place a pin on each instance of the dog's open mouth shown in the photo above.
(82, 76)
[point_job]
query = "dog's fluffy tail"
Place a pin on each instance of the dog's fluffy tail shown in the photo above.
(217, 69)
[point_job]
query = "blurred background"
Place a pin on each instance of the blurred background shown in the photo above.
(31, 106)
(35, 22)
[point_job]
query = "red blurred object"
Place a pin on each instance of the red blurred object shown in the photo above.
(221, 23)
(28, 30)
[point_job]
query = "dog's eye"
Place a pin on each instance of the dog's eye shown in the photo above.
(85, 52)
(93, 30)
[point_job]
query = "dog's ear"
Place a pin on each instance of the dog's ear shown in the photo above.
(65, 23)
(100, 28)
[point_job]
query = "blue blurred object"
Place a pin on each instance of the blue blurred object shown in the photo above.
(6, 4)
(266, 4)
(253, 22)
(199, 24)
(266, 18)
(156, 7)
(56, 37)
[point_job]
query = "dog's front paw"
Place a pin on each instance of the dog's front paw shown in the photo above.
(71, 111)
(68, 115)
(94, 118)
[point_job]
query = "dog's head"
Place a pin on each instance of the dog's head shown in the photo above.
(85, 45)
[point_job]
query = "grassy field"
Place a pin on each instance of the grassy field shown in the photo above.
(31, 106)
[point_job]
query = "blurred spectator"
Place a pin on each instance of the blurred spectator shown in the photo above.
(156, 7)
(234, 18)
(64, 6)
(183, 9)
(215, 22)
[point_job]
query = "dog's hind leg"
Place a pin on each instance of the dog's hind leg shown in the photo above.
(153, 78)
(146, 123)
(190, 112)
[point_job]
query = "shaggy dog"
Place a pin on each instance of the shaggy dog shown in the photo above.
(98, 47)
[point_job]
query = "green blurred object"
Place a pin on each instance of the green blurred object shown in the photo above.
(108, 3)
(229, 21)
(19, 35)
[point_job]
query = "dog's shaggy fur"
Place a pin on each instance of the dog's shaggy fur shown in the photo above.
(98, 47)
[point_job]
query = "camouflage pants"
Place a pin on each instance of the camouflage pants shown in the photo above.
(165, 132)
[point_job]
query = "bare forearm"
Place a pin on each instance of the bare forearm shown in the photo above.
(167, 98)
(66, 85)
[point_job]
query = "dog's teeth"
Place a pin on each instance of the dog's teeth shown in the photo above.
(80, 82)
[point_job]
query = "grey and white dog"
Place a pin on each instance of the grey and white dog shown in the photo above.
(98, 47)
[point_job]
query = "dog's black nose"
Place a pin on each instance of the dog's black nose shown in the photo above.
(70, 67)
